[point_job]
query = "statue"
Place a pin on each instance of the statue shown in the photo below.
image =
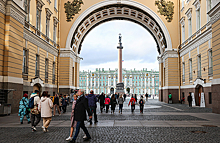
(120, 37)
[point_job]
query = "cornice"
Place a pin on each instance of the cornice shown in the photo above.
(15, 11)
(202, 38)
(189, 13)
(182, 21)
(40, 4)
(48, 13)
(214, 13)
(169, 54)
(31, 37)
(68, 53)
(196, 3)
(56, 21)
(2, 6)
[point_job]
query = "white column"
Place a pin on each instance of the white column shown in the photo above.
(114, 81)
(125, 81)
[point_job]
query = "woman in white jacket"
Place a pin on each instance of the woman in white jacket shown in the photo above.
(45, 107)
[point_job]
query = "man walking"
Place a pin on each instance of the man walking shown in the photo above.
(92, 105)
(56, 105)
(34, 111)
(190, 100)
(102, 101)
(80, 115)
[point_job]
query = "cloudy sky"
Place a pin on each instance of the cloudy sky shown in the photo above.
(99, 49)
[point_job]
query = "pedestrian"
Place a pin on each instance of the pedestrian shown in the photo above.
(60, 102)
(80, 115)
(132, 102)
(102, 101)
(92, 105)
(64, 103)
(120, 102)
(113, 103)
(190, 100)
(107, 101)
(124, 97)
(135, 97)
(141, 103)
(56, 105)
(170, 98)
(24, 109)
(146, 96)
(73, 121)
(34, 111)
(45, 107)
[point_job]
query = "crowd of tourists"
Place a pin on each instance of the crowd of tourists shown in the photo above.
(41, 106)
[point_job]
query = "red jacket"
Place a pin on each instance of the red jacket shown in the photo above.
(107, 101)
(131, 101)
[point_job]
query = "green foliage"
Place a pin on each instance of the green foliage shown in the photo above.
(72, 8)
(165, 8)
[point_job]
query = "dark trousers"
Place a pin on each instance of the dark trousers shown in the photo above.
(93, 111)
(141, 108)
(120, 107)
(107, 107)
(80, 124)
(33, 122)
(101, 107)
(64, 108)
(60, 108)
(190, 103)
(132, 108)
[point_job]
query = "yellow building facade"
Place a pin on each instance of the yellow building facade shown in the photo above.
(41, 50)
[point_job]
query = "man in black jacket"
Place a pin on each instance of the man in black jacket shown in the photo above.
(80, 115)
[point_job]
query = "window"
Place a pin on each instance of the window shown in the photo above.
(210, 62)
(198, 19)
(183, 78)
(190, 69)
(47, 26)
(199, 66)
(27, 9)
(210, 98)
(25, 61)
(182, 4)
(38, 19)
(55, 4)
(183, 33)
(46, 70)
(209, 7)
(37, 66)
(54, 33)
(190, 27)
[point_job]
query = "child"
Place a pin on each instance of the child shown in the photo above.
(73, 122)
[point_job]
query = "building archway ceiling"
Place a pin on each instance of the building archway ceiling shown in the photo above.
(118, 12)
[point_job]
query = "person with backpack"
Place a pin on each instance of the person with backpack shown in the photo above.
(120, 102)
(24, 109)
(33, 105)
(107, 101)
(92, 105)
(113, 103)
(141, 103)
(132, 102)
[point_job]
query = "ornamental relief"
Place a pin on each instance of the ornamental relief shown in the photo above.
(166, 9)
(72, 8)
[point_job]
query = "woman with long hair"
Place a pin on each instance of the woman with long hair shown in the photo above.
(113, 103)
(120, 102)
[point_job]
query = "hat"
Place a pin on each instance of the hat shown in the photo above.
(26, 95)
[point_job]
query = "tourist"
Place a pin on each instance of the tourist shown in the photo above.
(124, 97)
(107, 101)
(135, 97)
(64, 103)
(56, 105)
(92, 105)
(45, 107)
(24, 109)
(113, 103)
(102, 101)
(60, 102)
(169, 98)
(120, 102)
(80, 115)
(190, 100)
(132, 102)
(146, 96)
(73, 122)
(34, 111)
(141, 103)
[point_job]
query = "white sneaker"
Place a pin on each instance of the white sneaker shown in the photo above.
(43, 127)
(69, 138)
(45, 130)
(84, 137)
(34, 128)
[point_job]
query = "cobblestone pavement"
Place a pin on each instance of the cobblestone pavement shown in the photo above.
(160, 122)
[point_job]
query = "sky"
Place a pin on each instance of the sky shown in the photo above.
(99, 48)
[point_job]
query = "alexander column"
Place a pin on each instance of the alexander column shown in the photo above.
(120, 84)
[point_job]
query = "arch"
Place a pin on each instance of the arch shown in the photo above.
(111, 10)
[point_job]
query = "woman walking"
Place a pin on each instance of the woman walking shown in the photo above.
(141, 103)
(132, 102)
(107, 101)
(24, 109)
(113, 103)
(45, 107)
(102, 101)
(73, 122)
(120, 102)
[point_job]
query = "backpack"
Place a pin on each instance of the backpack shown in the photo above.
(132, 102)
(31, 103)
(141, 102)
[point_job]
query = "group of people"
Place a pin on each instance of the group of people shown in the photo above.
(41, 107)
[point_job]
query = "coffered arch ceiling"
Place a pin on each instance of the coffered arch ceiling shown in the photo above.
(94, 16)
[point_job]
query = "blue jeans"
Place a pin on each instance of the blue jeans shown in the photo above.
(80, 124)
